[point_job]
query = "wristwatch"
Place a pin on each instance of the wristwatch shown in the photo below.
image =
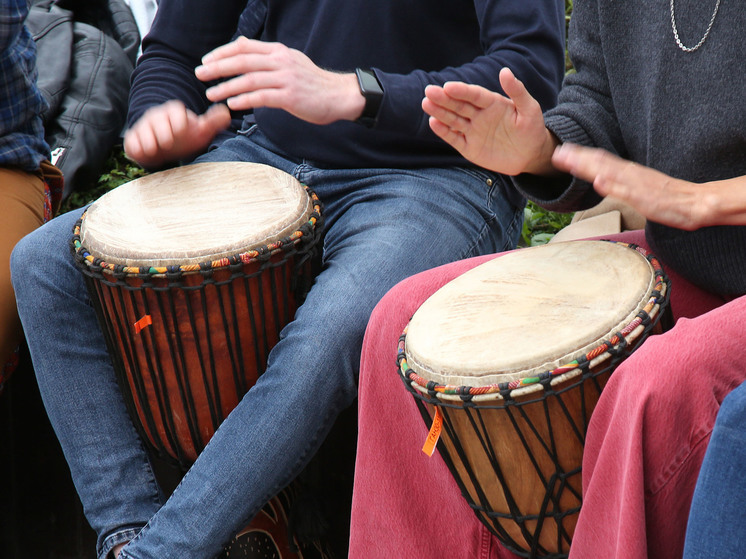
(373, 92)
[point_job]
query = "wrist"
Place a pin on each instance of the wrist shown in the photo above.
(721, 202)
(541, 163)
(710, 205)
(350, 102)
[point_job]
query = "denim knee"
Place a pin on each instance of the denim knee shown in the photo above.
(44, 252)
(733, 409)
(21, 262)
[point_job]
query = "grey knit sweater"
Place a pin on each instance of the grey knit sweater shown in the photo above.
(636, 94)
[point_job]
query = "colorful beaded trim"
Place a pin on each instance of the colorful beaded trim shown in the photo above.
(650, 313)
(248, 257)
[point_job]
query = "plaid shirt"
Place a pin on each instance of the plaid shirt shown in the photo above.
(21, 104)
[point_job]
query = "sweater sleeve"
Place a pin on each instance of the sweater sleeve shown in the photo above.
(526, 36)
(584, 115)
(182, 32)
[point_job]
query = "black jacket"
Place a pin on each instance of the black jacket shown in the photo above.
(85, 54)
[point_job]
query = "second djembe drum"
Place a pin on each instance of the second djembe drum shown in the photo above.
(507, 362)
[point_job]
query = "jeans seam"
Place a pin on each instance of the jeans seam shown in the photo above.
(304, 458)
(486, 543)
(678, 462)
(116, 538)
(473, 250)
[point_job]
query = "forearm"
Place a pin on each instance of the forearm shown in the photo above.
(156, 82)
(586, 114)
(722, 202)
(182, 32)
(526, 37)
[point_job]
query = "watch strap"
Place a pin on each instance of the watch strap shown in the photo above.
(372, 91)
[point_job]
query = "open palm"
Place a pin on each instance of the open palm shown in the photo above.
(504, 134)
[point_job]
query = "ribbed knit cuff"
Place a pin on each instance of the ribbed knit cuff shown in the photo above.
(564, 193)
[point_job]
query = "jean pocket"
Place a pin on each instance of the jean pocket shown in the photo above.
(488, 178)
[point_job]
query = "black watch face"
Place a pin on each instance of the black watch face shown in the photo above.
(369, 84)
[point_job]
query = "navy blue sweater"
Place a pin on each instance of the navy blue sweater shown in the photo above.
(409, 44)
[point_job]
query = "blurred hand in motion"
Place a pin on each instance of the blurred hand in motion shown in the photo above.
(170, 132)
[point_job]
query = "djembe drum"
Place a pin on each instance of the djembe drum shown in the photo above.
(507, 362)
(193, 272)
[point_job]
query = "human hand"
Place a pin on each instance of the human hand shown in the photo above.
(655, 195)
(170, 132)
(504, 134)
(272, 75)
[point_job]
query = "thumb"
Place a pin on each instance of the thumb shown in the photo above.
(514, 88)
(214, 119)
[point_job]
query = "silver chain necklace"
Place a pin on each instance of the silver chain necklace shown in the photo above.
(704, 37)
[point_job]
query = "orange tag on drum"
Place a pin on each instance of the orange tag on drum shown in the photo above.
(434, 434)
(144, 322)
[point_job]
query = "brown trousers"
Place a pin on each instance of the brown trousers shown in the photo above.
(22, 197)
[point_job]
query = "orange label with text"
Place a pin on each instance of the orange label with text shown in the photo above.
(434, 434)
(142, 323)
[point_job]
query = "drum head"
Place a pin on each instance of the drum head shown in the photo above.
(527, 312)
(193, 214)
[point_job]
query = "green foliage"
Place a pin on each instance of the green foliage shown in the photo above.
(119, 171)
(569, 68)
(540, 225)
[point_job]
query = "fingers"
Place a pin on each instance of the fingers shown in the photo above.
(655, 195)
(443, 111)
(242, 45)
(459, 97)
(242, 86)
(215, 119)
(451, 110)
(239, 57)
(254, 73)
(456, 104)
(170, 131)
(155, 131)
(239, 65)
(592, 164)
(448, 134)
(469, 95)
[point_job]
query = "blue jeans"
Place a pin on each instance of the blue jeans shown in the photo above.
(717, 519)
(381, 225)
